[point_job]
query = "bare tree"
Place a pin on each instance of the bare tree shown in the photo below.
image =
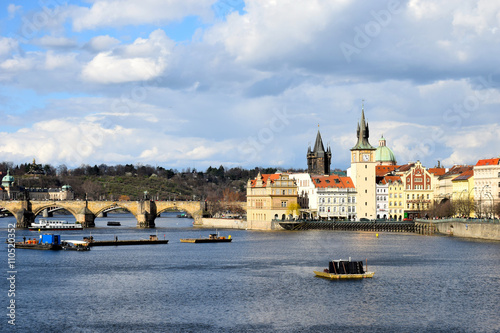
(92, 189)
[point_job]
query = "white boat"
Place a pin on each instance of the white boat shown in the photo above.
(44, 224)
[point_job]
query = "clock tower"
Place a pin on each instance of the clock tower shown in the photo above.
(363, 172)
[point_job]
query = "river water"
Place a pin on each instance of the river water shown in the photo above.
(261, 282)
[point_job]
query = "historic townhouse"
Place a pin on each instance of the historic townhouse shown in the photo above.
(487, 186)
(463, 194)
(336, 197)
(418, 190)
(269, 197)
(444, 187)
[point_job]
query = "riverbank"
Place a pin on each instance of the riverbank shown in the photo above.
(480, 229)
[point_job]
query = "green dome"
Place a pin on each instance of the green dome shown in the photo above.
(8, 179)
(384, 153)
(66, 188)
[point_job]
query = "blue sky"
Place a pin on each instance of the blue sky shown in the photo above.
(196, 83)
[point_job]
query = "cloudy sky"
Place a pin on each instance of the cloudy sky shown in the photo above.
(194, 83)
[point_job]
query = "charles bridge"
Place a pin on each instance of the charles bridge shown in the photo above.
(85, 212)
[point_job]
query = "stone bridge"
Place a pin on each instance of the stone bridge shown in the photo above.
(85, 212)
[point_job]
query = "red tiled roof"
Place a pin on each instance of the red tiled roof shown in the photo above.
(332, 181)
(390, 179)
(406, 167)
(457, 170)
(437, 171)
(491, 161)
(465, 175)
(382, 170)
(264, 178)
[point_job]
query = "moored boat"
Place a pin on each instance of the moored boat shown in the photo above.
(44, 242)
(75, 245)
(344, 269)
(114, 223)
(212, 238)
(44, 224)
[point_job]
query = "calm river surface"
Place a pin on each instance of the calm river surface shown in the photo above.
(261, 282)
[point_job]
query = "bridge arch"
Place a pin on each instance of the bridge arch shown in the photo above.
(193, 208)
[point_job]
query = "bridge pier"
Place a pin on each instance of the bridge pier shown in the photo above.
(24, 218)
(146, 214)
(86, 218)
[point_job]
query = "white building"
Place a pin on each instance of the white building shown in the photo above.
(487, 186)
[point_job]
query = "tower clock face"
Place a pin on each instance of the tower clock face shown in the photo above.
(366, 157)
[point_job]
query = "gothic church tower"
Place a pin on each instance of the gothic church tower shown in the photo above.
(319, 160)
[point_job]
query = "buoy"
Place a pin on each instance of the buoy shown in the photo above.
(376, 235)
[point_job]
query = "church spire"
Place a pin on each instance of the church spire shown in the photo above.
(363, 132)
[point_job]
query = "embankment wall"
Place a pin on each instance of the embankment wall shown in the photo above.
(470, 230)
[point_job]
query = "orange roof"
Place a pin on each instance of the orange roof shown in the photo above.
(389, 179)
(332, 181)
(406, 167)
(265, 177)
(465, 175)
(491, 161)
(382, 170)
(437, 171)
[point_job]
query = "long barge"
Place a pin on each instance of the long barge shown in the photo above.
(153, 239)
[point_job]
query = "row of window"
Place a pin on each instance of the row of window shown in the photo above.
(334, 200)
(421, 196)
(350, 209)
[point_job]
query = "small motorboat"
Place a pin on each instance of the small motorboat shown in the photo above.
(344, 269)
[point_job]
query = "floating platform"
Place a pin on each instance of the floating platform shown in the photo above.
(205, 240)
(152, 240)
(21, 245)
(344, 269)
(332, 276)
(129, 242)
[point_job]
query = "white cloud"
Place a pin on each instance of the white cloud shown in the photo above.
(103, 43)
(48, 41)
(113, 13)
(7, 45)
(12, 9)
(54, 60)
(142, 60)
(273, 29)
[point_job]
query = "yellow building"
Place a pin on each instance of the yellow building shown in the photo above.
(270, 199)
(418, 189)
(396, 197)
(463, 194)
